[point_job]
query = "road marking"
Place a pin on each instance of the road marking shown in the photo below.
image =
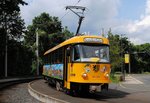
(131, 80)
(122, 85)
(136, 80)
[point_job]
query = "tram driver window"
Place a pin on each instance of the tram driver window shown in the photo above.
(76, 56)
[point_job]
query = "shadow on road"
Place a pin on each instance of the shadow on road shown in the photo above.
(105, 95)
(102, 96)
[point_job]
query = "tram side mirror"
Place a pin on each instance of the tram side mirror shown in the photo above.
(68, 51)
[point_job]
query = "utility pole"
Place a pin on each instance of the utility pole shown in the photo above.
(122, 68)
(121, 49)
(79, 14)
(6, 46)
(129, 64)
(37, 51)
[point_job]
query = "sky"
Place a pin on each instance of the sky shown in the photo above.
(129, 18)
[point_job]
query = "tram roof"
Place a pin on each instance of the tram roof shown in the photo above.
(80, 39)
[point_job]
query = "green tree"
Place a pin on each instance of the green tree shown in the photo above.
(20, 59)
(141, 57)
(139, 54)
(11, 28)
(44, 25)
(10, 18)
(50, 33)
(114, 51)
(119, 45)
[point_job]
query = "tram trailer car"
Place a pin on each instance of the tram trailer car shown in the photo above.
(78, 64)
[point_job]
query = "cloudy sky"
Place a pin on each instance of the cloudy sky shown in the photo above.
(129, 17)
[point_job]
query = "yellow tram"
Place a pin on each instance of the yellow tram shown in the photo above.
(80, 63)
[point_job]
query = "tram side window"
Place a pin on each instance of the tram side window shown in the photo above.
(60, 55)
(49, 59)
(52, 56)
(45, 60)
(57, 56)
(56, 60)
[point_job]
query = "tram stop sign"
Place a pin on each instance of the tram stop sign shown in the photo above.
(127, 58)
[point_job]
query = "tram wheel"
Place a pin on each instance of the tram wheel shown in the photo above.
(58, 87)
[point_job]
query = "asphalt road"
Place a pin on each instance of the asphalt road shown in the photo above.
(138, 87)
(134, 90)
(143, 78)
(137, 83)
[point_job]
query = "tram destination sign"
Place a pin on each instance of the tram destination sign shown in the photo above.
(93, 40)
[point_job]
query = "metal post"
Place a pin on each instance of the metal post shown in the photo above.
(37, 51)
(121, 49)
(121, 56)
(6, 56)
(80, 21)
(6, 47)
(129, 64)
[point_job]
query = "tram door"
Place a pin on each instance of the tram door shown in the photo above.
(66, 61)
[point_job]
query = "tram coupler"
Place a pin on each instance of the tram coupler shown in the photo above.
(94, 88)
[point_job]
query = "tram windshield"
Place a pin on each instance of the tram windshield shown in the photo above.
(91, 53)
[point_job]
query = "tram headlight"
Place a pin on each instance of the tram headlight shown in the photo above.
(106, 75)
(84, 75)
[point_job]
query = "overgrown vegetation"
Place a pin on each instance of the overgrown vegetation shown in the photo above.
(115, 78)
